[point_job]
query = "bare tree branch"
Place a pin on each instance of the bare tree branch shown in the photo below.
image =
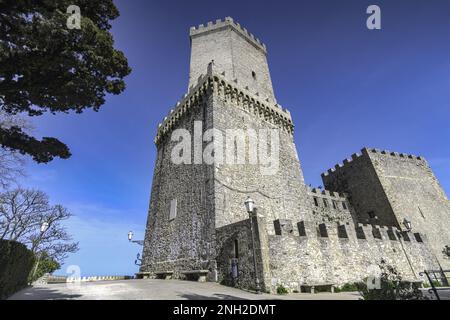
(22, 213)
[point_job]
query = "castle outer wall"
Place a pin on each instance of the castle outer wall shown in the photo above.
(388, 187)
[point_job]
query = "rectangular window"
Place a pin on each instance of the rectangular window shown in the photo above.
(173, 209)
(344, 205)
(334, 205)
(325, 203)
(418, 237)
(316, 202)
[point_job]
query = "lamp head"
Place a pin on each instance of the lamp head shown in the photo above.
(44, 226)
(249, 205)
(407, 224)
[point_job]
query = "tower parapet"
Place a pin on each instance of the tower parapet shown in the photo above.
(215, 81)
(225, 23)
(367, 151)
(236, 52)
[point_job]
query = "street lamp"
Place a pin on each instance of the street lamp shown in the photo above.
(407, 224)
(250, 206)
(130, 238)
(44, 226)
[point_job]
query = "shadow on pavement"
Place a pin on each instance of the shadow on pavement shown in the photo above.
(43, 293)
(215, 296)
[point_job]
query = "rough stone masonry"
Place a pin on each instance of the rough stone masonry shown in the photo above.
(198, 227)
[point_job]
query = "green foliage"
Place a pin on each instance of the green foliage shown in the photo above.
(392, 287)
(45, 67)
(319, 289)
(436, 284)
(16, 262)
(45, 265)
(348, 287)
(282, 290)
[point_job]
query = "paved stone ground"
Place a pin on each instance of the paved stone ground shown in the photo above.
(159, 290)
(444, 293)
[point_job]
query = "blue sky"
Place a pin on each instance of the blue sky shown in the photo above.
(346, 87)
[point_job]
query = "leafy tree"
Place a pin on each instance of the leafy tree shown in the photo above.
(22, 212)
(46, 67)
(46, 265)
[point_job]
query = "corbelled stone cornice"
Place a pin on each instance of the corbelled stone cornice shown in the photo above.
(215, 82)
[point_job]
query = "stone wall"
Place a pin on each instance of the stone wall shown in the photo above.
(337, 254)
(185, 242)
(235, 51)
(393, 186)
(358, 179)
(330, 206)
(212, 196)
(415, 194)
(278, 195)
(234, 241)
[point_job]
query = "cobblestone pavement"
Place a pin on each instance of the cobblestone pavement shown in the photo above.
(159, 290)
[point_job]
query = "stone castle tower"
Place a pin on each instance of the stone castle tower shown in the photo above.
(198, 226)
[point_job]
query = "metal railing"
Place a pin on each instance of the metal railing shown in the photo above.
(437, 277)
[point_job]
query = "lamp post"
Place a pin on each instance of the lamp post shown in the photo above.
(401, 234)
(250, 206)
(130, 238)
(44, 227)
(138, 260)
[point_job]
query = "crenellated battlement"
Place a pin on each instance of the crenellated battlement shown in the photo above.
(327, 194)
(345, 163)
(367, 152)
(226, 23)
(215, 81)
(348, 230)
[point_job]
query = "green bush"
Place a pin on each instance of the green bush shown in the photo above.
(348, 287)
(16, 262)
(46, 265)
(436, 284)
(320, 289)
(282, 290)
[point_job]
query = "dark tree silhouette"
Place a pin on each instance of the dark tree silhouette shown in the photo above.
(47, 67)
